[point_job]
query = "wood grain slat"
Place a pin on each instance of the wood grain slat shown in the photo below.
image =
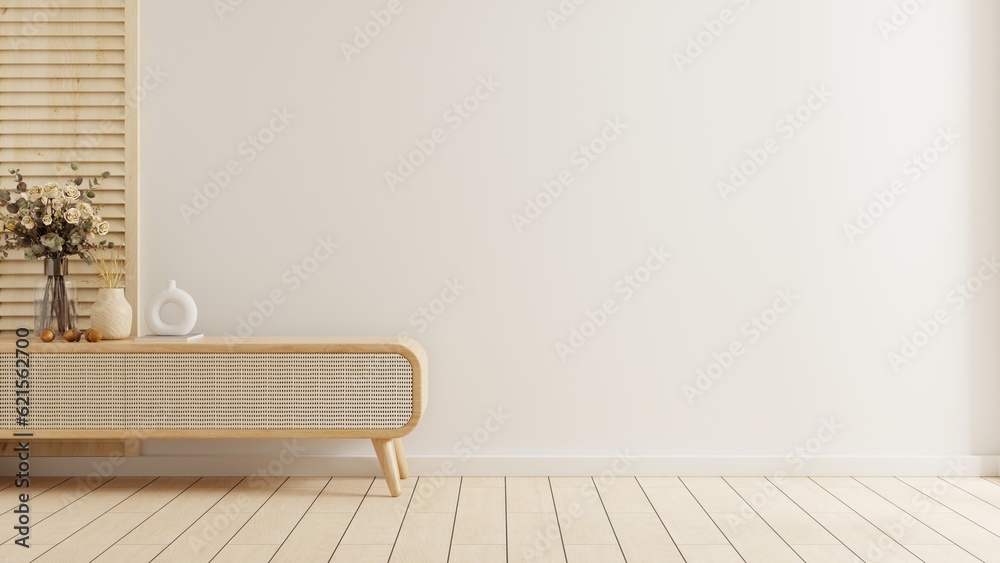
(17, 57)
(30, 156)
(49, 99)
(24, 12)
(62, 71)
(62, 43)
(49, 85)
(52, 28)
(57, 113)
(63, 127)
(80, 141)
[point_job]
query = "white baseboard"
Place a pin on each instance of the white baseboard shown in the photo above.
(727, 466)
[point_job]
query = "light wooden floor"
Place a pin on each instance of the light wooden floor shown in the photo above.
(490, 519)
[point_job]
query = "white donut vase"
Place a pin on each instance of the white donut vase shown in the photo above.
(171, 295)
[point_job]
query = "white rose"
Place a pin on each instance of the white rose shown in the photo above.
(46, 219)
(57, 204)
(72, 215)
(51, 191)
(34, 193)
(28, 223)
(103, 228)
(86, 210)
(72, 192)
(11, 224)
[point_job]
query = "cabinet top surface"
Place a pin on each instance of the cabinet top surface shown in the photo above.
(217, 344)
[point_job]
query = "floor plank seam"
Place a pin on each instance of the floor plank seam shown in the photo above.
(660, 518)
(209, 509)
(11, 511)
(873, 524)
(403, 521)
(950, 508)
(697, 500)
(98, 516)
(454, 521)
(762, 519)
(351, 521)
(299, 521)
(151, 514)
(917, 518)
(829, 531)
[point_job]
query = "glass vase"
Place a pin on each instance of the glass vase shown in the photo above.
(55, 299)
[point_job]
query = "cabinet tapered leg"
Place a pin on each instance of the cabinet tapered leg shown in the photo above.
(387, 460)
(404, 468)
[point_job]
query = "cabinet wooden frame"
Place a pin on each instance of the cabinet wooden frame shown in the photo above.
(387, 442)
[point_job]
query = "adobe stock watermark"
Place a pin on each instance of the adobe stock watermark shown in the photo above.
(44, 12)
(292, 279)
(752, 330)
(713, 29)
(457, 115)
(562, 12)
(247, 152)
(221, 521)
(929, 328)
(580, 161)
(464, 448)
(224, 7)
(103, 469)
(566, 519)
(893, 537)
(900, 15)
(152, 78)
(786, 127)
(366, 33)
(913, 170)
(626, 287)
(427, 314)
(796, 459)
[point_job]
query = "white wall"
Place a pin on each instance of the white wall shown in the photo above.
(655, 186)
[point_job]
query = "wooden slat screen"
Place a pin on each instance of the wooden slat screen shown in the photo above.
(66, 68)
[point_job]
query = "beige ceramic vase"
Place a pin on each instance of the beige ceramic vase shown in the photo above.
(111, 314)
